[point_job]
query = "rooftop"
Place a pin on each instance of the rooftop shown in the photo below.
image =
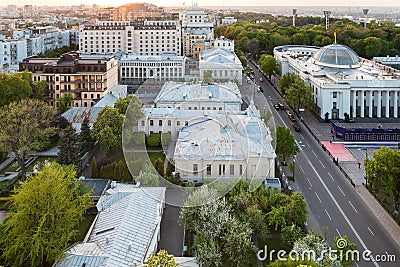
(338, 56)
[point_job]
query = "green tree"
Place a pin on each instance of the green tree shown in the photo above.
(69, 150)
(148, 176)
(344, 247)
(207, 76)
(161, 259)
(21, 124)
(94, 173)
(268, 65)
(296, 209)
(154, 139)
(299, 95)
(286, 81)
(122, 105)
(13, 88)
(107, 129)
(64, 102)
(315, 243)
(291, 233)
(236, 243)
(86, 142)
(285, 143)
(165, 138)
(45, 213)
(208, 251)
(140, 138)
(159, 166)
(384, 170)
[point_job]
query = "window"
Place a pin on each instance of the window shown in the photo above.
(195, 169)
(223, 169)
(160, 123)
(151, 122)
(232, 170)
(178, 123)
(334, 105)
(143, 123)
(208, 169)
(169, 122)
(334, 94)
(240, 169)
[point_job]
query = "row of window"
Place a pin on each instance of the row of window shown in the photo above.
(152, 64)
(221, 169)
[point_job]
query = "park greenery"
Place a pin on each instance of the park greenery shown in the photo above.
(57, 52)
(268, 65)
(21, 124)
(383, 173)
(378, 39)
(161, 259)
(48, 224)
(234, 220)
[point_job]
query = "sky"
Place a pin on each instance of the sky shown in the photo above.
(292, 3)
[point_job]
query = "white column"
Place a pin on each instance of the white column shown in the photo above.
(387, 104)
(395, 104)
(370, 105)
(354, 104)
(379, 106)
(362, 104)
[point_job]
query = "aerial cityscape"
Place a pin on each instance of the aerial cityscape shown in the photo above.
(230, 134)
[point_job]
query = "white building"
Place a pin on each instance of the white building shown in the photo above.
(125, 232)
(224, 147)
(199, 96)
(162, 67)
(342, 82)
(143, 38)
(228, 20)
(220, 65)
(195, 27)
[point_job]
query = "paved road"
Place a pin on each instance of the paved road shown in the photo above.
(331, 198)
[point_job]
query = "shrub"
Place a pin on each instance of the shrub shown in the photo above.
(165, 139)
(42, 144)
(154, 139)
(140, 138)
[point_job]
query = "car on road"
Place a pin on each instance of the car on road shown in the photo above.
(276, 106)
(281, 106)
(290, 115)
(296, 127)
(260, 89)
(261, 79)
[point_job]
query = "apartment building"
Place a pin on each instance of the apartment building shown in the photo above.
(142, 38)
(220, 42)
(87, 77)
(195, 28)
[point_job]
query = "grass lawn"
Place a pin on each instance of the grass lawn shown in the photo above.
(84, 226)
(152, 155)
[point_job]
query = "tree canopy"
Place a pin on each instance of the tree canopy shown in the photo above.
(286, 81)
(13, 88)
(285, 143)
(107, 128)
(161, 259)
(299, 95)
(69, 147)
(21, 124)
(43, 217)
(268, 65)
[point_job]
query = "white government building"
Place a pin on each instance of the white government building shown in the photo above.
(342, 82)
(222, 65)
(206, 122)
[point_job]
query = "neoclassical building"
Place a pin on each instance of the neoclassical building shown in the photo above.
(342, 82)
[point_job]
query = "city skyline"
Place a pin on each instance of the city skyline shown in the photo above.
(209, 3)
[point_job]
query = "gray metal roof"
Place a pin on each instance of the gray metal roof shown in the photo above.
(121, 233)
(336, 55)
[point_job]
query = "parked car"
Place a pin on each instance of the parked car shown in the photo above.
(273, 183)
(296, 127)
(281, 106)
(260, 89)
(276, 106)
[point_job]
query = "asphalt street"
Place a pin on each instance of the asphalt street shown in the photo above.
(331, 198)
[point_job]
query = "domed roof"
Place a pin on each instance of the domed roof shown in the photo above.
(336, 56)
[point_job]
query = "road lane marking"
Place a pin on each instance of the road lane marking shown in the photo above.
(307, 144)
(301, 168)
(331, 176)
(353, 207)
(337, 231)
(309, 181)
(341, 191)
(321, 164)
(298, 145)
(318, 197)
(341, 211)
(328, 215)
(314, 153)
(302, 136)
(370, 231)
